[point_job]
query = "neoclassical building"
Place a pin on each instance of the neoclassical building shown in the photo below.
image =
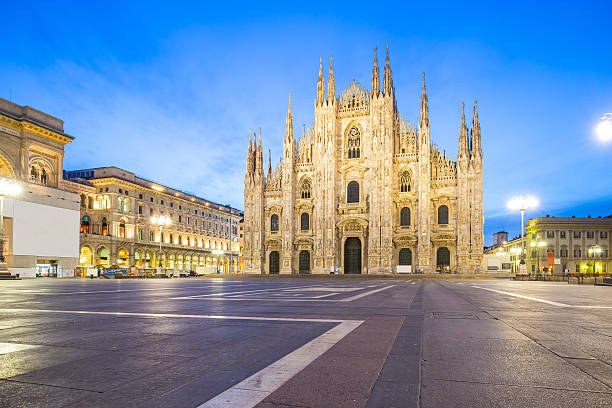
(116, 208)
(363, 190)
(40, 234)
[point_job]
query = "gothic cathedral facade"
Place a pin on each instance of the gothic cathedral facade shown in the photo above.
(363, 191)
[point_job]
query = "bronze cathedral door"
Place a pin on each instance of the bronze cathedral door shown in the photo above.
(352, 255)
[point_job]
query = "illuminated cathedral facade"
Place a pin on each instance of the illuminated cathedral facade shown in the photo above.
(364, 191)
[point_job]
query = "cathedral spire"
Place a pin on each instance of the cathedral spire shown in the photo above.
(476, 148)
(388, 79)
(424, 108)
(259, 156)
(269, 164)
(289, 123)
(320, 84)
(331, 83)
(249, 163)
(464, 152)
(375, 75)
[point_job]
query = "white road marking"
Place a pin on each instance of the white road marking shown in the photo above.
(275, 299)
(163, 315)
(237, 293)
(359, 296)
(549, 302)
(322, 289)
(87, 291)
(6, 348)
(257, 387)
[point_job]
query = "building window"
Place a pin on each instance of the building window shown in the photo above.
(151, 199)
(577, 253)
(352, 192)
(405, 182)
(550, 234)
(561, 234)
(85, 225)
(273, 223)
(83, 203)
(161, 202)
(405, 217)
(140, 209)
(576, 234)
(305, 189)
(603, 234)
(534, 253)
(140, 234)
(187, 220)
(590, 234)
(354, 142)
(150, 211)
(305, 221)
(442, 215)
(180, 218)
(563, 252)
(151, 237)
(577, 268)
(122, 229)
(104, 227)
(140, 196)
(90, 202)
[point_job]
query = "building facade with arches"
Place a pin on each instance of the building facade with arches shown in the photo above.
(116, 207)
(41, 222)
(363, 190)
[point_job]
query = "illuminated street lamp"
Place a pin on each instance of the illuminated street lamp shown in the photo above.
(522, 203)
(217, 252)
(161, 221)
(8, 188)
(594, 250)
(604, 128)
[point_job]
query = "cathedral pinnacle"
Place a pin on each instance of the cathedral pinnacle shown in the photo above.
(320, 84)
(476, 145)
(289, 123)
(375, 75)
(388, 79)
(331, 82)
(464, 152)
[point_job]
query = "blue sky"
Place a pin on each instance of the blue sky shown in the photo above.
(170, 90)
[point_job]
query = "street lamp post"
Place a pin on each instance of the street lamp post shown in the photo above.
(217, 252)
(593, 250)
(538, 245)
(8, 188)
(160, 221)
(522, 203)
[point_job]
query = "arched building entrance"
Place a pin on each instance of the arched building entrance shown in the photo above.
(405, 256)
(443, 258)
(304, 262)
(274, 263)
(352, 256)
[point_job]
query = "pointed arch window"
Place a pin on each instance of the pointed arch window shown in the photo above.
(122, 229)
(274, 223)
(405, 182)
(354, 143)
(405, 217)
(442, 215)
(305, 189)
(352, 192)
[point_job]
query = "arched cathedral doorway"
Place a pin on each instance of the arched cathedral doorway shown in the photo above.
(274, 263)
(352, 256)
